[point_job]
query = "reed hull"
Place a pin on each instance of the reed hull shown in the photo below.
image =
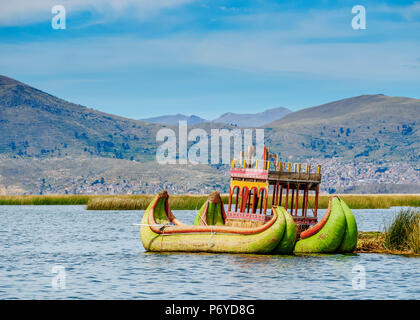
(221, 240)
(288, 241)
(336, 232)
(349, 242)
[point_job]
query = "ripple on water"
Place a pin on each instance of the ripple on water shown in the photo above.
(104, 259)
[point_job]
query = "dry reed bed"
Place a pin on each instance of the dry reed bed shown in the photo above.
(140, 202)
(374, 242)
(401, 236)
(45, 200)
(191, 202)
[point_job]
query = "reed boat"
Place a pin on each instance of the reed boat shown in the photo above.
(290, 186)
(161, 231)
(249, 225)
(213, 231)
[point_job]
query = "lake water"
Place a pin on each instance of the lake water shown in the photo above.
(61, 252)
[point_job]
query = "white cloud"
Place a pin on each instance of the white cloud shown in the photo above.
(250, 52)
(408, 12)
(317, 42)
(24, 12)
(268, 53)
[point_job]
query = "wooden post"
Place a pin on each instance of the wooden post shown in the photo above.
(303, 202)
(265, 202)
(263, 197)
(287, 196)
(230, 200)
(237, 199)
(281, 195)
(306, 200)
(297, 200)
(243, 197)
(277, 193)
(316, 200)
(255, 202)
(292, 202)
(273, 200)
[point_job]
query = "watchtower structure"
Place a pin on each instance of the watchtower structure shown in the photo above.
(290, 184)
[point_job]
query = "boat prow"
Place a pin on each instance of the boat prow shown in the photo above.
(336, 232)
(161, 231)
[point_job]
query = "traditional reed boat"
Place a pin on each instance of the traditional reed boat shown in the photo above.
(212, 232)
(242, 229)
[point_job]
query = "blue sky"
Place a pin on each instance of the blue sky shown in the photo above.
(143, 58)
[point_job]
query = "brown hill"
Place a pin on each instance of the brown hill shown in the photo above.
(369, 127)
(37, 124)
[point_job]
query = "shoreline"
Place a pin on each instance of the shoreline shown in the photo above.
(374, 242)
(192, 202)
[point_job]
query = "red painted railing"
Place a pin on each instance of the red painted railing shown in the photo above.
(247, 216)
(249, 173)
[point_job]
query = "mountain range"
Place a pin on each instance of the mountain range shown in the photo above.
(365, 128)
(175, 118)
(37, 126)
(251, 120)
(372, 127)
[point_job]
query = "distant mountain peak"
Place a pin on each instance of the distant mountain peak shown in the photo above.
(175, 118)
(375, 105)
(253, 119)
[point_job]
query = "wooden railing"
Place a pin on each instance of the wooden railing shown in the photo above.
(275, 166)
(247, 216)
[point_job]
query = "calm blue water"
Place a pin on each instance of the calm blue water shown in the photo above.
(103, 258)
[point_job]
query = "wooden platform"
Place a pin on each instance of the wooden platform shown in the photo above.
(294, 178)
(253, 180)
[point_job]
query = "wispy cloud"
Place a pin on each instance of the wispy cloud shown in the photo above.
(24, 12)
(409, 12)
(256, 45)
(320, 41)
(257, 53)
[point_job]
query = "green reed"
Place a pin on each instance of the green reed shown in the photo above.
(140, 202)
(191, 202)
(44, 200)
(403, 233)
